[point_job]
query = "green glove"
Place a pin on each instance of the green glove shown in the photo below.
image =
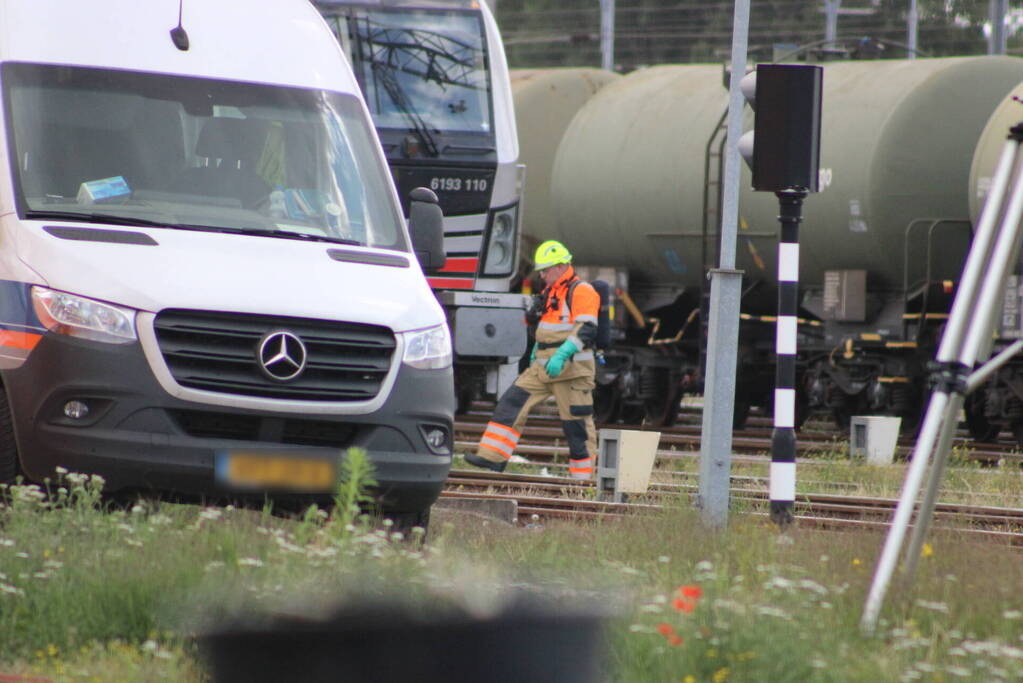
(532, 354)
(556, 363)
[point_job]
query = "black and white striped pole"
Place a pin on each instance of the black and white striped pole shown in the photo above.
(783, 438)
(784, 153)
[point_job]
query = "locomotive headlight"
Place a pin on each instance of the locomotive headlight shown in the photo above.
(500, 256)
(428, 349)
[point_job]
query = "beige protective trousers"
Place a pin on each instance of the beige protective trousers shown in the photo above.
(573, 392)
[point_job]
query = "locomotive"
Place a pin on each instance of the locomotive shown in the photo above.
(634, 189)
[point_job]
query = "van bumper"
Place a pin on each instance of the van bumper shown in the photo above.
(137, 436)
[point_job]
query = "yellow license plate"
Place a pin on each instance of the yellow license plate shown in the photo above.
(252, 469)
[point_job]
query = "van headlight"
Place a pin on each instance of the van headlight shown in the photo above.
(501, 240)
(76, 316)
(428, 349)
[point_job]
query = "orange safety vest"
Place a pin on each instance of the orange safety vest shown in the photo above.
(559, 321)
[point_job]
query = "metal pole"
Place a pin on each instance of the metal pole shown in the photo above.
(912, 19)
(831, 20)
(997, 10)
(950, 351)
(783, 439)
(607, 34)
(725, 292)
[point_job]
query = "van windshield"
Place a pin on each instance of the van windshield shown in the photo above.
(120, 146)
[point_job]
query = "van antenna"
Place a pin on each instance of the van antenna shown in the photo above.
(178, 34)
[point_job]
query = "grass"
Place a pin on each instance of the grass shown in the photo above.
(90, 592)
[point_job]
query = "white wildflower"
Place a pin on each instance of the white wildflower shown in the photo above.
(769, 611)
(215, 564)
(664, 559)
(61, 470)
(818, 663)
(97, 481)
(730, 605)
(126, 528)
(211, 514)
(813, 587)
(137, 509)
(651, 609)
(250, 562)
(933, 606)
(6, 542)
(958, 671)
(22, 555)
(779, 582)
(1012, 614)
(49, 564)
(10, 590)
(641, 628)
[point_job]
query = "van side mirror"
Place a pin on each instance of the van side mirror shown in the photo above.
(426, 225)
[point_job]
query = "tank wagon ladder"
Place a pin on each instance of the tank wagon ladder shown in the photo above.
(713, 168)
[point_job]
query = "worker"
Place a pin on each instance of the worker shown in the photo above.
(561, 365)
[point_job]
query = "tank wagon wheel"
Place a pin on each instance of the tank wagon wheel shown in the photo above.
(662, 409)
(977, 424)
(843, 414)
(607, 404)
(9, 468)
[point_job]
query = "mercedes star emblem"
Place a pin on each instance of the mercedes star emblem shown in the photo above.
(282, 356)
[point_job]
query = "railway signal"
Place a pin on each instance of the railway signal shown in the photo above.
(783, 151)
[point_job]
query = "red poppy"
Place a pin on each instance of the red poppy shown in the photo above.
(684, 605)
(694, 592)
(665, 629)
(674, 640)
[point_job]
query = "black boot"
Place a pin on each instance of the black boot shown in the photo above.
(476, 460)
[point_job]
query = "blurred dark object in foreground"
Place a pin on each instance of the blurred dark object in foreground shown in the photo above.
(384, 643)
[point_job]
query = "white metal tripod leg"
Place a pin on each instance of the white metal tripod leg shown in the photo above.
(973, 288)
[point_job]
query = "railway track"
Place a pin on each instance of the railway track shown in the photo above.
(547, 497)
(542, 435)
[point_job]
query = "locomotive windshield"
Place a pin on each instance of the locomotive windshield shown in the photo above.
(429, 79)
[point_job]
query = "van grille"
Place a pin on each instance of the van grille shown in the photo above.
(219, 352)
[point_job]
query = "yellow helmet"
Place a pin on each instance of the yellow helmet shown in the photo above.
(551, 253)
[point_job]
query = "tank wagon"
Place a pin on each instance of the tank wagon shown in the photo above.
(546, 101)
(635, 187)
(998, 404)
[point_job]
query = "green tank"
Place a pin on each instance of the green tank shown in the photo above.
(989, 149)
(546, 100)
(898, 138)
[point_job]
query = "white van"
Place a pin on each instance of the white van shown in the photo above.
(206, 283)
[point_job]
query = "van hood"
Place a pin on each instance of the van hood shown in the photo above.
(226, 272)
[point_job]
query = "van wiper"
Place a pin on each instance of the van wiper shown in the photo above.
(108, 218)
(292, 234)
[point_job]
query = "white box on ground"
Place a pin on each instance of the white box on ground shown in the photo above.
(628, 456)
(874, 437)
